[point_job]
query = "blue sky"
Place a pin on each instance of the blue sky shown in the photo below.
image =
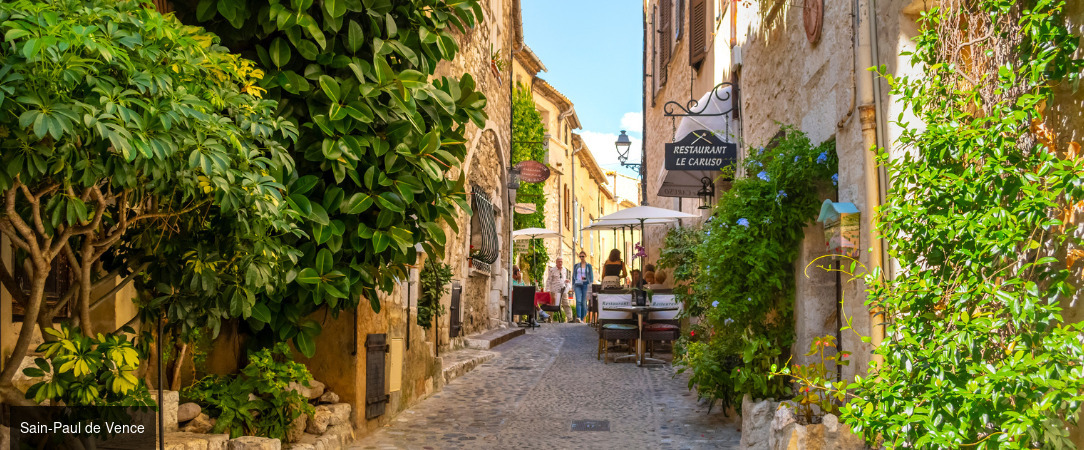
(593, 50)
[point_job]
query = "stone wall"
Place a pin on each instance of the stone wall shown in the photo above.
(770, 425)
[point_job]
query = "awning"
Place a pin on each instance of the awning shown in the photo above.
(686, 183)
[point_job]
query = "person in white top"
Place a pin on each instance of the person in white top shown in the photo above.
(557, 281)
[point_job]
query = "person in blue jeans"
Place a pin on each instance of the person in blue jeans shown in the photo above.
(583, 276)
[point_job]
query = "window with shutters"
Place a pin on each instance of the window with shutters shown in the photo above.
(664, 38)
(698, 32)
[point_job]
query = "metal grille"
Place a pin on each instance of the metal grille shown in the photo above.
(376, 346)
(455, 315)
(483, 229)
(590, 425)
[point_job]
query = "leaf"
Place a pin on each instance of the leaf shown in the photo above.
(324, 261)
(355, 37)
(308, 276)
(279, 51)
(305, 344)
(330, 88)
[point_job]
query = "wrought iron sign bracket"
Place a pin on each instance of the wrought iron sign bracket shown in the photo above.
(693, 108)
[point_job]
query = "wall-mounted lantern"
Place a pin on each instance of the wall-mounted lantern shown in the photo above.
(706, 193)
(842, 223)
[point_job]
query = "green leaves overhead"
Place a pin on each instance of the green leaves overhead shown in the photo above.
(377, 138)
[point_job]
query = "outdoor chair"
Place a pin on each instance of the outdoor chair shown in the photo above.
(614, 325)
(550, 308)
(662, 326)
(523, 305)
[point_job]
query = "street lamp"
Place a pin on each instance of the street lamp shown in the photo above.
(622, 145)
(706, 193)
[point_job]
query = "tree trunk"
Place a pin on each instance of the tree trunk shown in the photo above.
(178, 365)
(30, 320)
(84, 288)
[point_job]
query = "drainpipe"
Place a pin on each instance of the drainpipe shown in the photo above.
(643, 115)
(872, 137)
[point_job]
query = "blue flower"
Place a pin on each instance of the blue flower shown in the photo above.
(822, 158)
(796, 159)
(715, 304)
(781, 194)
(708, 232)
(760, 150)
(835, 179)
(743, 222)
(728, 321)
(748, 299)
(768, 220)
(764, 176)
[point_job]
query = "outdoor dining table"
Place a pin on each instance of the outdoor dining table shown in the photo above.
(640, 311)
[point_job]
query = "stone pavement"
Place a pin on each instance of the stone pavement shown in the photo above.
(529, 394)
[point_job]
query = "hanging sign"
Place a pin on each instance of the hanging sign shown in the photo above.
(842, 224)
(700, 150)
(533, 171)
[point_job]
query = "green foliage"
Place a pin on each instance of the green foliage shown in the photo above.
(434, 279)
(380, 145)
(259, 401)
(121, 129)
(742, 280)
(979, 216)
(85, 371)
(528, 133)
(813, 381)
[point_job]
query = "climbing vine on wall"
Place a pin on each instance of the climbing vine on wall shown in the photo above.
(743, 281)
(527, 136)
(981, 216)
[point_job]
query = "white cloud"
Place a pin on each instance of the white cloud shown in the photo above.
(602, 148)
(633, 122)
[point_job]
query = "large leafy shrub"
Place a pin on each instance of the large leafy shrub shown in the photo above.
(743, 280)
(381, 140)
(981, 216)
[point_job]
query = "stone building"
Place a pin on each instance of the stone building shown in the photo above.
(578, 191)
(780, 72)
(789, 65)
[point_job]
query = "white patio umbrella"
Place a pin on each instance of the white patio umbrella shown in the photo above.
(641, 215)
(532, 234)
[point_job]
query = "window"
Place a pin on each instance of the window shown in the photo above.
(57, 285)
(698, 32)
(663, 39)
(679, 28)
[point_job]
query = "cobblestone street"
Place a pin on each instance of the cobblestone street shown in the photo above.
(528, 396)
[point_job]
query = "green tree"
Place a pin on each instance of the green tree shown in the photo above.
(381, 140)
(118, 127)
(527, 136)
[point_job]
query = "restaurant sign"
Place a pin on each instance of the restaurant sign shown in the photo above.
(700, 150)
(533, 171)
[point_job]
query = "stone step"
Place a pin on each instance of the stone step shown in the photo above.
(459, 362)
(493, 338)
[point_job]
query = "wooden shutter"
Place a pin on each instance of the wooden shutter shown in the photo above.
(698, 32)
(455, 313)
(376, 346)
(665, 37)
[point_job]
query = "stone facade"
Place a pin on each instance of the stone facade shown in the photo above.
(578, 191)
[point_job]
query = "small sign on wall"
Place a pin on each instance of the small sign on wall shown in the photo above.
(842, 227)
